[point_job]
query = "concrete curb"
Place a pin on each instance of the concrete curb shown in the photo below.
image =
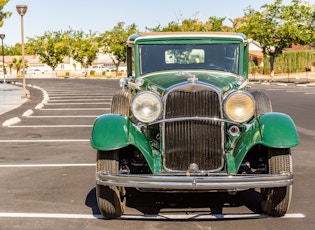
(11, 121)
(45, 95)
(28, 112)
(282, 84)
(39, 106)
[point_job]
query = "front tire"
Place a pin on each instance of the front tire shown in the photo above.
(111, 200)
(276, 201)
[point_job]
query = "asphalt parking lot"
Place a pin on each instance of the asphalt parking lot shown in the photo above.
(47, 168)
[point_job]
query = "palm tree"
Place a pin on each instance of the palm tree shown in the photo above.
(16, 63)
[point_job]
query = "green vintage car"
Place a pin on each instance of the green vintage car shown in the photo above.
(186, 121)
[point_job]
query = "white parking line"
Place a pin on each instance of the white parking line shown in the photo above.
(59, 100)
(79, 96)
(76, 116)
(35, 141)
(276, 89)
(47, 165)
(77, 109)
(150, 217)
(78, 103)
(209, 216)
(51, 126)
(51, 215)
(294, 91)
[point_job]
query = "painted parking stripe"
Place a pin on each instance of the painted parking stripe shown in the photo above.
(78, 95)
(47, 165)
(51, 215)
(153, 217)
(35, 141)
(104, 92)
(51, 126)
(76, 116)
(81, 99)
(276, 89)
(78, 103)
(77, 109)
(209, 216)
(294, 91)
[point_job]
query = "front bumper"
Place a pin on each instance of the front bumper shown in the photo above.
(195, 183)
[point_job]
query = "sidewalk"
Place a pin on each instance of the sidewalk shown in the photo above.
(297, 78)
(10, 97)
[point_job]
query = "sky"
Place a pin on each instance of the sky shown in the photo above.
(102, 15)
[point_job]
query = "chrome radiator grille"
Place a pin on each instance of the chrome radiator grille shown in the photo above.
(187, 142)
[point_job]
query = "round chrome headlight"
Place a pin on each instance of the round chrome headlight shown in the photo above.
(239, 106)
(146, 106)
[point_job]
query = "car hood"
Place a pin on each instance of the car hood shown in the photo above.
(161, 81)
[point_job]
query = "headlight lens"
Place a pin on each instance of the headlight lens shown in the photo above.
(239, 106)
(146, 106)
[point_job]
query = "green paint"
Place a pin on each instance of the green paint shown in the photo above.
(112, 131)
(276, 130)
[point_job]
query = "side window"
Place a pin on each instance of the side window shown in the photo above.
(130, 61)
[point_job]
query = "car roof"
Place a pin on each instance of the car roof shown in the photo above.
(148, 35)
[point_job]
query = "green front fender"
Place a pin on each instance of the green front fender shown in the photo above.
(275, 130)
(278, 130)
(113, 131)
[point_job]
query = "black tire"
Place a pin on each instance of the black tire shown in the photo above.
(121, 103)
(263, 103)
(111, 200)
(276, 201)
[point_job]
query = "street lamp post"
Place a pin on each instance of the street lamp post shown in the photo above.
(2, 36)
(21, 9)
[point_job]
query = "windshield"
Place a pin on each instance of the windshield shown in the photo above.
(222, 57)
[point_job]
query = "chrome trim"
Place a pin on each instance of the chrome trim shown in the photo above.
(146, 92)
(223, 182)
(188, 118)
(191, 86)
(246, 125)
(243, 85)
(230, 94)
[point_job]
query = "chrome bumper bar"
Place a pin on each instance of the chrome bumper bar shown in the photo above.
(221, 182)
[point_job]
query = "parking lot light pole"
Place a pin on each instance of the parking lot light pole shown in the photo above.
(21, 9)
(2, 36)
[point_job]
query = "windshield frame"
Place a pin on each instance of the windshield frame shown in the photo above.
(155, 47)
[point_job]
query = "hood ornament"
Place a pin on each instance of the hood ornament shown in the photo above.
(192, 79)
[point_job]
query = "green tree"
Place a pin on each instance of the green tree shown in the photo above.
(13, 50)
(51, 48)
(216, 24)
(16, 50)
(3, 15)
(193, 25)
(279, 26)
(83, 47)
(114, 42)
